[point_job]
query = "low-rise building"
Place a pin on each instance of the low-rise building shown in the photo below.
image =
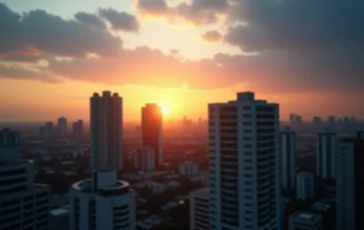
(305, 221)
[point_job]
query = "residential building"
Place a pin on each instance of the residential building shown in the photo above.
(144, 159)
(305, 221)
(103, 202)
(349, 189)
(288, 159)
(199, 209)
(188, 169)
(106, 130)
(152, 122)
(59, 219)
(62, 126)
(23, 204)
(325, 155)
(244, 164)
(305, 186)
(78, 129)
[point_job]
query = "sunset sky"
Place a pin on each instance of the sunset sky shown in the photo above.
(307, 55)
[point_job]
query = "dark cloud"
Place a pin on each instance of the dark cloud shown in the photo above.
(38, 31)
(18, 72)
(198, 12)
(211, 36)
(90, 19)
(120, 20)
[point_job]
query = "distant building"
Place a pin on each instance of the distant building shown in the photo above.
(49, 129)
(199, 209)
(349, 184)
(43, 132)
(244, 160)
(326, 154)
(188, 169)
(62, 126)
(288, 159)
(305, 186)
(102, 203)
(144, 159)
(316, 121)
(332, 121)
(106, 130)
(305, 221)
(23, 204)
(152, 122)
(59, 219)
(78, 129)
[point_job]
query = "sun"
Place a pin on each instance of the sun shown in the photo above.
(164, 109)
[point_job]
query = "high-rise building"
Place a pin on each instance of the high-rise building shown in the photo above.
(316, 121)
(288, 159)
(305, 186)
(332, 121)
(325, 154)
(144, 159)
(49, 129)
(78, 129)
(199, 209)
(42, 132)
(102, 202)
(305, 221)
(152, 130)
(349, 183)
(244, 164)
(106, 130)
(188, 169)
(23, 204)
(62, 126)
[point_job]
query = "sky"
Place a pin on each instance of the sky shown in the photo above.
(306, 55)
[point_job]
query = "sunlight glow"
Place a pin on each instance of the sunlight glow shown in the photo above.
(164, 109)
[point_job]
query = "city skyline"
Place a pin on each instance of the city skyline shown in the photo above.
(177, 52)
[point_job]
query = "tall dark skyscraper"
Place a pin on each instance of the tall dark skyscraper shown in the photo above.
(78, 129)
(62, 126)
(106, 130)
(152, 130)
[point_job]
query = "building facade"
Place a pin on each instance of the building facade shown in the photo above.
(288, 159)
(199, 209)
(244, 164)
(62, 126)
(106, 130)
(23, 204)
(101, 203)
(305, 186)
(326, 155)
(305, 221)
(152, 123)
(349, 188)
(144, 159)
(78, 129)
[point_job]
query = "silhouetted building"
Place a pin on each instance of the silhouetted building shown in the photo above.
(244, 164)
(23, 204)
(317, 122)
(78, 129)
(199, 209)
(144, 159)
(106, 131)
(326, 154)
(103, 202)
(49, 129)
(152, 130)
(305, 186)
(62, 126)
(188, 169)
(349, 184)
(42, 132)
(332, 122)
(288, 159)
(305, 221)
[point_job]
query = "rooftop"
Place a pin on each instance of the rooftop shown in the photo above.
(59, 211)
(305, 216)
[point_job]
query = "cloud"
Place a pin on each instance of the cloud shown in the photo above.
(39, 31)
(120, 20)
(19, 72)
(212, 36)
(90, 19)
(198, 12)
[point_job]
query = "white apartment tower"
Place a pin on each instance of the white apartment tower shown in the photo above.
(244, 164)
(62, 126)
(144, 159)
(288, 159)
(199, 209)
(326, 154)
(23, 204)
(106, 130)
(102, 203)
